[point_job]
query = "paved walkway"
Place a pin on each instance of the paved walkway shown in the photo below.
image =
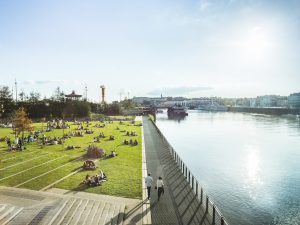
(178, 206)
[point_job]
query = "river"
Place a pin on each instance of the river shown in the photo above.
(249, 164)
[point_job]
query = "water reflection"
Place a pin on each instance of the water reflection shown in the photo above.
(177, 118)
(253, 176)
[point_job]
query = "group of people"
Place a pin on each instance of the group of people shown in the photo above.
(75, 134)
(71, 147)
(57, 124)
(89, 131)
(97, 138)
(95, 180)
(16, 145)
(159, 186)
(131, 133)
(52, 141)
(80, 127)
(130, 142)
(100, 125)
(88, 165)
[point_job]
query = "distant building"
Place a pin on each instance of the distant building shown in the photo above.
(73, 96)
(147, 101)
(294, 100)
(271, 101)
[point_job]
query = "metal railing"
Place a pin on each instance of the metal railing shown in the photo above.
(202, 196)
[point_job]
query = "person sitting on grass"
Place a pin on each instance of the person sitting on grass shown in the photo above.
(112, 154)
(96, 139)
(87, 180)
(102, 176)
(111, 138)
(94, 180)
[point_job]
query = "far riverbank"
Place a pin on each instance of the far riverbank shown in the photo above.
(268, 111)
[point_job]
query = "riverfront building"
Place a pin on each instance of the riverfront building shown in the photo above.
(294, 100)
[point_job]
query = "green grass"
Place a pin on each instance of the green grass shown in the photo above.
(123, 172)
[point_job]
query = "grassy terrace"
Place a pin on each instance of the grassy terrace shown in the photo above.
(36, 167)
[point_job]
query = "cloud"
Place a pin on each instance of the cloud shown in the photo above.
(41, 82)
(203, 4)
(178, 91)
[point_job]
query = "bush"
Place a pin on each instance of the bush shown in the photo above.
(95, 152)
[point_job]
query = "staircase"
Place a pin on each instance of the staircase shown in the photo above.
(27, 207)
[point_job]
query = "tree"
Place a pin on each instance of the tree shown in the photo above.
(21, 122)
(6, 101)
(58, 95)
(128, 104)
(34, 97)
(22, 96)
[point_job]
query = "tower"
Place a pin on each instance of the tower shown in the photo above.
(16, 87)
(102, 94)
(85, 92)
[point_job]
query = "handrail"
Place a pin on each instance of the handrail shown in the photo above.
(204, 199)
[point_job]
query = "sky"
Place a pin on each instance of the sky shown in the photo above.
(191, 48)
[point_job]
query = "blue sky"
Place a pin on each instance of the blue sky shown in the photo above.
(233, 48)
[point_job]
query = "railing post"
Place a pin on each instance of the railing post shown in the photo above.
(201, 196)
(189, 177)
(193, 183)
(214, 215)
(222, 221)
(185, 171)
(197, 188)
(207, 199)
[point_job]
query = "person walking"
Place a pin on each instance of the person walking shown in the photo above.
(160, 187)
(148, 182)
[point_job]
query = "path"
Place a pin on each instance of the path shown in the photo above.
(178, 206)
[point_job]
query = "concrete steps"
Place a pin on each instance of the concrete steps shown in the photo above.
(58, 209)
(8, 213)
(78, 211)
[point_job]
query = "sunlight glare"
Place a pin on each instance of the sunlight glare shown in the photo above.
(253, 171)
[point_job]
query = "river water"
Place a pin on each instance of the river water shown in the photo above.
(248, 164)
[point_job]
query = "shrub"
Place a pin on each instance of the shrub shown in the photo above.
(95, 152)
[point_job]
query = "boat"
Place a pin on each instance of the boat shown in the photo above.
(177, 111)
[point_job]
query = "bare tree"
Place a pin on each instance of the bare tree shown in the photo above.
(21, 122)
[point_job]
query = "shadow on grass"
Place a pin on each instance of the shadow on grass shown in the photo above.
(77, 169)
(81, 187)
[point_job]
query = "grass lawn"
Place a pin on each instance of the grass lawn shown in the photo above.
(37, 167)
